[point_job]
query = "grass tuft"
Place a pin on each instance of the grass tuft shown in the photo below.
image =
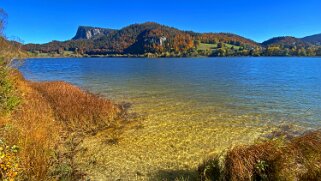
(78, 110)
(298, 158)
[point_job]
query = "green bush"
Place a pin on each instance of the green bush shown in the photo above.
(8, 94)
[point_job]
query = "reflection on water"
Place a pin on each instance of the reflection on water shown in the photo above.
(192, 107)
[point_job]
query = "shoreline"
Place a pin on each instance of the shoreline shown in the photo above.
(142, 57)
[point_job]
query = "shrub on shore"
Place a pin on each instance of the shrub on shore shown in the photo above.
(277, 159)
(78, 110)
(9, 98)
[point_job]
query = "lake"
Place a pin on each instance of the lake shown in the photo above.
(192, 107)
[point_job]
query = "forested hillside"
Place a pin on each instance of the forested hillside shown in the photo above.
(153, 39)
(314, 39)
(145, 38)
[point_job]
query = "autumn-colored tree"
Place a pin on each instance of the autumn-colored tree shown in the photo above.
(214, 38)
(273, 51)
(183, 42)
(302, 52)
(220, 45)
(318, 51)
(311, 51)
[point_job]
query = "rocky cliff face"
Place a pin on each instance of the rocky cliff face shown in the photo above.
(85, 32)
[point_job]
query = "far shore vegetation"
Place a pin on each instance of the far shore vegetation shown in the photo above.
(198, 50)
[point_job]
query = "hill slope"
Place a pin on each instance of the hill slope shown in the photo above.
(313, 39)
(285, 41)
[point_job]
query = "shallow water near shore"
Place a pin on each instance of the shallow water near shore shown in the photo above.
(191, 108)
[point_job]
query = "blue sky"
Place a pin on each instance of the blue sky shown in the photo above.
(40, 21)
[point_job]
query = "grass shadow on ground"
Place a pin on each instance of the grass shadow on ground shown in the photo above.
(177, 175)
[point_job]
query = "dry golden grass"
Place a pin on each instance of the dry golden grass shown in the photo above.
(31, 127)
(76, 109)
(35, 131)
(48, 113)
(278, 159)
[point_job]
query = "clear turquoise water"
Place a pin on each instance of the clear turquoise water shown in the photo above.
(271, 91)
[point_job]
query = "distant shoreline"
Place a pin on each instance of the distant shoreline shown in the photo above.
(143, 57)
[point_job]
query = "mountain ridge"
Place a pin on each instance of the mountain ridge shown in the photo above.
(154, 38)
(285, 41)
